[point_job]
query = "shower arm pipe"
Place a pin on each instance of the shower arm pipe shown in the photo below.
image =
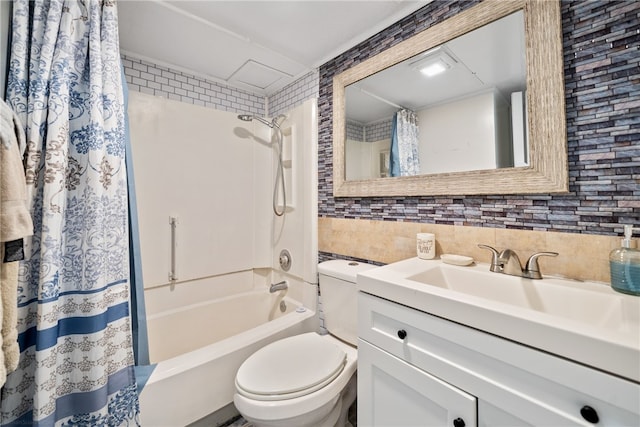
(381, 99)
(263, 121)
(272, 124)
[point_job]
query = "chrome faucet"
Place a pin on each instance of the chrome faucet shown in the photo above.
(280, 286)
(507, 262)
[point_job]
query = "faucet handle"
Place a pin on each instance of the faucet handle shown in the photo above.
(532, 269)
(495, 265)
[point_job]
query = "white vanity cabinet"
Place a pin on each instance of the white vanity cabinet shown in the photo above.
(416, 369)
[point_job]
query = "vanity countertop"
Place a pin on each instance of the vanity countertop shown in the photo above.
(587, 322)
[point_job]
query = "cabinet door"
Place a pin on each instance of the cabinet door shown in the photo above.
(395, 394)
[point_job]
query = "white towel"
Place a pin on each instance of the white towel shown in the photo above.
(15, 223)
(8, 292)
(15, 220)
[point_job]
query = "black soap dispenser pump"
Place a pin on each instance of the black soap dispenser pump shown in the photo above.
(624, 263)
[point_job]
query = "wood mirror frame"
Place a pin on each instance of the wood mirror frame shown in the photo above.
(548, 169)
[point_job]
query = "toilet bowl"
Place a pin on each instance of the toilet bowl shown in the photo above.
(275, 386)
(307, 380)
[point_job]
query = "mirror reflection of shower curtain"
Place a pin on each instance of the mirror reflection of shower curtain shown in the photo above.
(404, 159)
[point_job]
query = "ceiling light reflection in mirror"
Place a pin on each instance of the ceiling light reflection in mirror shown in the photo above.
(469, 94)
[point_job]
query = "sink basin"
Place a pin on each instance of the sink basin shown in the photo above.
(586, 322)
(589, 303)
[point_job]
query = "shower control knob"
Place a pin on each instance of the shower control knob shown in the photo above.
(458, 422)
(402, 334)
(285, 260)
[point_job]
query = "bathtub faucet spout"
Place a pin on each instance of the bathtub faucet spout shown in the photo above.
(278, 286)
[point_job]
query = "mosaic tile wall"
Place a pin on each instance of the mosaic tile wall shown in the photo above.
(602, 81)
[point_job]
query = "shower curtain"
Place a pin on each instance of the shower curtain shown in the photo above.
(138, 308)
(76, 361)
(404, 154)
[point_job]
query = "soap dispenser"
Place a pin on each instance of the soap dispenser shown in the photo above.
(625, 265)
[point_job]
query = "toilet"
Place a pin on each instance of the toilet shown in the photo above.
(308, 379)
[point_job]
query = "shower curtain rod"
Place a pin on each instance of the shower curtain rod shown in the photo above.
(379, 98)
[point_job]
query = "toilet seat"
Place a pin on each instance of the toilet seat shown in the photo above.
(290, 368)
(296, 412)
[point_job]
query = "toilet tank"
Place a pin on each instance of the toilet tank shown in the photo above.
(337, 279)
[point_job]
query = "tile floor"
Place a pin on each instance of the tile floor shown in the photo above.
(238, 422)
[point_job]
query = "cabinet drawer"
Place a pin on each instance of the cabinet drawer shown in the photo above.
(500, 372)
(394, 393)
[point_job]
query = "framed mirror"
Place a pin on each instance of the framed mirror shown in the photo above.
(481, 127)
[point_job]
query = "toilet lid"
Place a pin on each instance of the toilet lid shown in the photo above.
(290, 367)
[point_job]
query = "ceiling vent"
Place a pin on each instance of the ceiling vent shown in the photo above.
(257, 76)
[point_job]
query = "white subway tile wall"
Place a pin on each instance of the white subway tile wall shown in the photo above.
(378, 130)
(355, 130)
(294, 94)
(154, 79)
(369, 132)
(147, 77)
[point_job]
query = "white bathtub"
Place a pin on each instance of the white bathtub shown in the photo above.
(199, 334)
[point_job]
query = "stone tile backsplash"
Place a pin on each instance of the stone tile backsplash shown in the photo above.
(383, 242)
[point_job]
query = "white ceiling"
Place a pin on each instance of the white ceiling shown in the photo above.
(259, 46)
(490, 58)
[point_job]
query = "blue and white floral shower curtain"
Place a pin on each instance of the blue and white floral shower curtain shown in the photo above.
(76, 362)
(404, 154)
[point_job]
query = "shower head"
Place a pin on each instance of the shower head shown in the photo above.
(277, 118)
